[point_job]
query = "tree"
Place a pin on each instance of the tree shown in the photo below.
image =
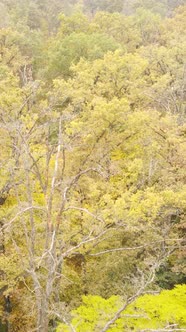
(55, 159)
(92, 162)
(103, 5)
(63, 53)
(149, 312)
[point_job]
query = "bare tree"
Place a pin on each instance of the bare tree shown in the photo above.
(44, 182)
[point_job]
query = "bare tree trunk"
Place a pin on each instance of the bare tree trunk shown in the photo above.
(43, 321)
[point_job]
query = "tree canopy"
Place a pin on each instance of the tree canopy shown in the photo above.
(93, 156)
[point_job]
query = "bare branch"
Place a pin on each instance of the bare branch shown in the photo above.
(107, 251)
(130, 300)
(84, 210)
(71, 184)
(87, 240)
(5, 226)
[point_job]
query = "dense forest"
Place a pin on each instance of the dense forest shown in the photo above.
(92, 165)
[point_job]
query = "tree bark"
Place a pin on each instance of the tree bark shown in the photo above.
(43, 321)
